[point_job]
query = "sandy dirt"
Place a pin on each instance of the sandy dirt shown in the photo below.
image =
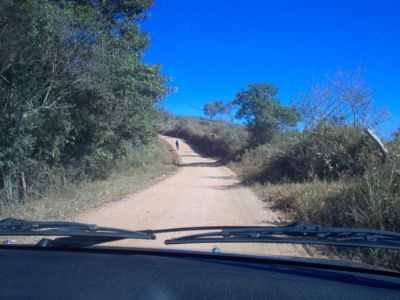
(201, 193)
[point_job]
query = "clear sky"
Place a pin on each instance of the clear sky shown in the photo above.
(211, 49)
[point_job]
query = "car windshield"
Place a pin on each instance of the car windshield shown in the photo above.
(150, 115)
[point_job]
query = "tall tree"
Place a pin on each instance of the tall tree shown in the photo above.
(343, 99)
(212, 109)
(262, 112)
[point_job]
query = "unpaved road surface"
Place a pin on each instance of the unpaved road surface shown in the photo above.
(201, 193)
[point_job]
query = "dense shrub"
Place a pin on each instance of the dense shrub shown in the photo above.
(73, 90)
(64, 199)
(254, 161)
(325, 153)
(371, 200)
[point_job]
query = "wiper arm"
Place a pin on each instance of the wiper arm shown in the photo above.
(72, 234)
(293, 234)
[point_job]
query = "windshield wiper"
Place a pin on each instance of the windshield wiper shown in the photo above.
(72, 234)
(292, 234)
(78, 235)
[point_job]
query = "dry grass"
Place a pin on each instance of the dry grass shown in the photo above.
(302, 202)
(137, 171)
(356, 203)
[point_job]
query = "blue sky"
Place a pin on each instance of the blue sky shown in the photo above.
(211, 49)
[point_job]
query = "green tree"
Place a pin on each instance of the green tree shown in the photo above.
(73, 89)
(212, 109)
(262, 112)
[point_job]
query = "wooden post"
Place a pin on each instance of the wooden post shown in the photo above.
(379, 143)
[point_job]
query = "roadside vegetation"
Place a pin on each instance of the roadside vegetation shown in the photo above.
(139, 168)
(76, 101)
(314, 161)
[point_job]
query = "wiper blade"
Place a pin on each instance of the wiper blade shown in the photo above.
(72, 234)
(292, 234)
(78, 235)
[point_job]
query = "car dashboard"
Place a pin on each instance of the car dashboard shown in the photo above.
(103, 273)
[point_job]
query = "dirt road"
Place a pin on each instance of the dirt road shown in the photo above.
(201, 193)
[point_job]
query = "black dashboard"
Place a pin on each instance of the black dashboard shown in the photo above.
(102, 273)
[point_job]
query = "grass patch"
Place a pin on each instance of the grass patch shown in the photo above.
(139, 169)
(361, 202)
(301, 202)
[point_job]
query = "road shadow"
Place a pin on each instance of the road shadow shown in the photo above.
(190, 155)
(222, 187)
(220, 177)
(200, 164)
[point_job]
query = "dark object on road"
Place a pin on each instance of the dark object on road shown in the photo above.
(177, 145)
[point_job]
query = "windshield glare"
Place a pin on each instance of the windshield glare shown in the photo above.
(146, 116)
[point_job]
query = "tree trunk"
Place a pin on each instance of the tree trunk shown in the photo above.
(23, 183)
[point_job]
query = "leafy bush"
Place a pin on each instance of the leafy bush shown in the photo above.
(64, 198)
(73, 90)
(325, 153)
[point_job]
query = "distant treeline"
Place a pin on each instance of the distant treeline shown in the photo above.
(74, 93)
